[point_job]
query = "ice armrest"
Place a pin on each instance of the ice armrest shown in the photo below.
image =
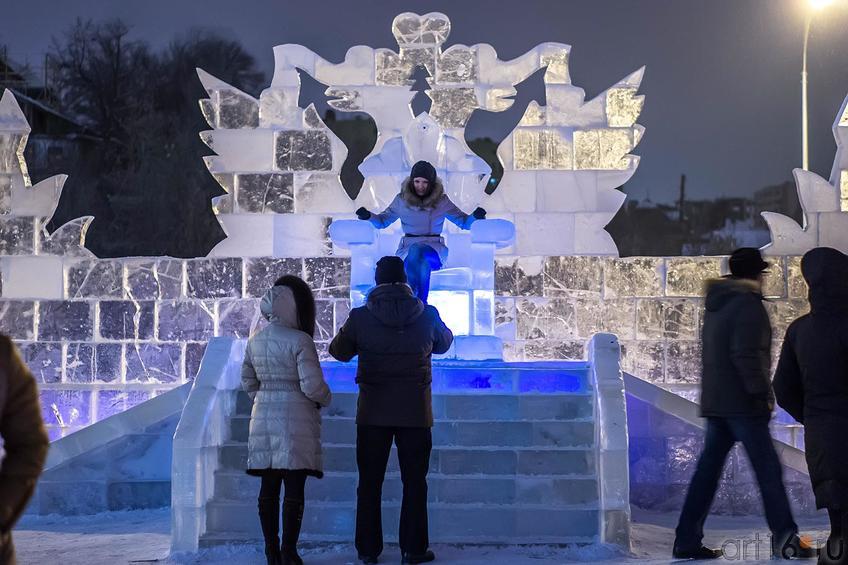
(501, 233)
(352, 232)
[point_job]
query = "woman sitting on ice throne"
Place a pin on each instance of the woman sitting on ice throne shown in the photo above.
(422, 207)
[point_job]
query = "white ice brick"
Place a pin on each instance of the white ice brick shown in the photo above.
(815, 193)
(377, 192)
(320, 193)
(248, 150)
(590, 238)
(301, 235)
(515, 193)
(567, 191)
(32, 277)
(478, 347)
(496, 72)
(544, 234)
(273, 235)
(833, 230)
(38, 200)
(11, 116)
(389, 106)
(466, 190)
(248, 235)
(787, 237)
(356, 69)
(287, 59)
(278, 108)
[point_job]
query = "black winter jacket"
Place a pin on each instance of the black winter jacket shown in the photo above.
(395, 335)
(811, 382)
(736, 340)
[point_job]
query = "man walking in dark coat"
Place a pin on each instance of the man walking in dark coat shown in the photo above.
(24, 441)
(736, 400)
(395, 335)
(811, 383)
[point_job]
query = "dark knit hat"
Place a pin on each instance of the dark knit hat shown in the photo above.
(390, 270)
(424, 170)
(747, 263)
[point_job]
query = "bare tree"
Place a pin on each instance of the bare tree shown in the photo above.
(149, 186)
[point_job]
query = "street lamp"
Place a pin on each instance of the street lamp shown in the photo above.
(815, 6)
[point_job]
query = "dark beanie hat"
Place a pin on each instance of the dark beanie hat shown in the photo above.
(390, 270)
(424, 170)
(747, 263)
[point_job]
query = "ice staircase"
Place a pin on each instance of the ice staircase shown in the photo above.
(517, 458)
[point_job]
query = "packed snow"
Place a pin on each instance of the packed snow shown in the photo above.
(143, 536)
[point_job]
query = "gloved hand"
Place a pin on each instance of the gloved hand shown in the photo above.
(479, 213)
(362, 213)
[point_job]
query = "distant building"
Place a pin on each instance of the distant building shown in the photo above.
(780, 198)
(58, 143)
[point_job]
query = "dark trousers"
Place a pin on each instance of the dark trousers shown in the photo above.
(722, 434)
(421, 260)
(373, 445)
(836, 550)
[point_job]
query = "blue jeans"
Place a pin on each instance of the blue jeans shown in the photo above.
(722, 434)
(421, 260)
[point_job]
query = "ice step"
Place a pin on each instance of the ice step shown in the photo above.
(342, 430)
(476, 406)
(486, 377)
(553, 490)
(454, 460)
(334, 521)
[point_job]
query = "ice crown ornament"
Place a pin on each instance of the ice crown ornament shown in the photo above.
(562, 162)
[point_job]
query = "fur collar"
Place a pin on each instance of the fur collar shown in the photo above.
(734, 284)
(407, 192)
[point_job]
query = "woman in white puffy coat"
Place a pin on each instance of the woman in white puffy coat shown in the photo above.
(282, 375)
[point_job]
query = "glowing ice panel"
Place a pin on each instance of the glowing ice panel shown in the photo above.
(484, 312)
(457, 65)
(843, 191)
(541, 149)
(454, 308)
(557, 71)
(623, 107)
(453, 106)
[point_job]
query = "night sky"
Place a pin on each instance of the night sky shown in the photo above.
(722, 80)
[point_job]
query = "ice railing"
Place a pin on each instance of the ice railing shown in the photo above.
(611, 443)
(203, 429)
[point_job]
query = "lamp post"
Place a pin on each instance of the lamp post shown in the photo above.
(814, 6)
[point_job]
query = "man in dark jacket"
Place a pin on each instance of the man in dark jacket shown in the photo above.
(395, 335)
(736, 400)
(25, 443)
(811, 383)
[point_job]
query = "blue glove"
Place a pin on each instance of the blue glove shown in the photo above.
(479, 213)
(363, 214)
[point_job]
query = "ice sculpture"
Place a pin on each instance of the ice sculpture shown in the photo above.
(824, 205)
(31, 257)
(562, 162)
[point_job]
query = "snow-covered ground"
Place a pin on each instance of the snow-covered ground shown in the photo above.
(143, 536)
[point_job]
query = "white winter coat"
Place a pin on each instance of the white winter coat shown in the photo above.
(282, 374)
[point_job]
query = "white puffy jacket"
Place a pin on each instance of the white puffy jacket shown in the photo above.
(282, 374)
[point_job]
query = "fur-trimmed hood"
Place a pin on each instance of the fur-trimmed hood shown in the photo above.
(407, 192)
(720, 291)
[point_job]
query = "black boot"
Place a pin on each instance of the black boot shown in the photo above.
(269, 517)
(292, 518)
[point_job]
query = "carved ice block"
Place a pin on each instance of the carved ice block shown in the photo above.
(32, 277)
(345, 233)
(241, 149)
